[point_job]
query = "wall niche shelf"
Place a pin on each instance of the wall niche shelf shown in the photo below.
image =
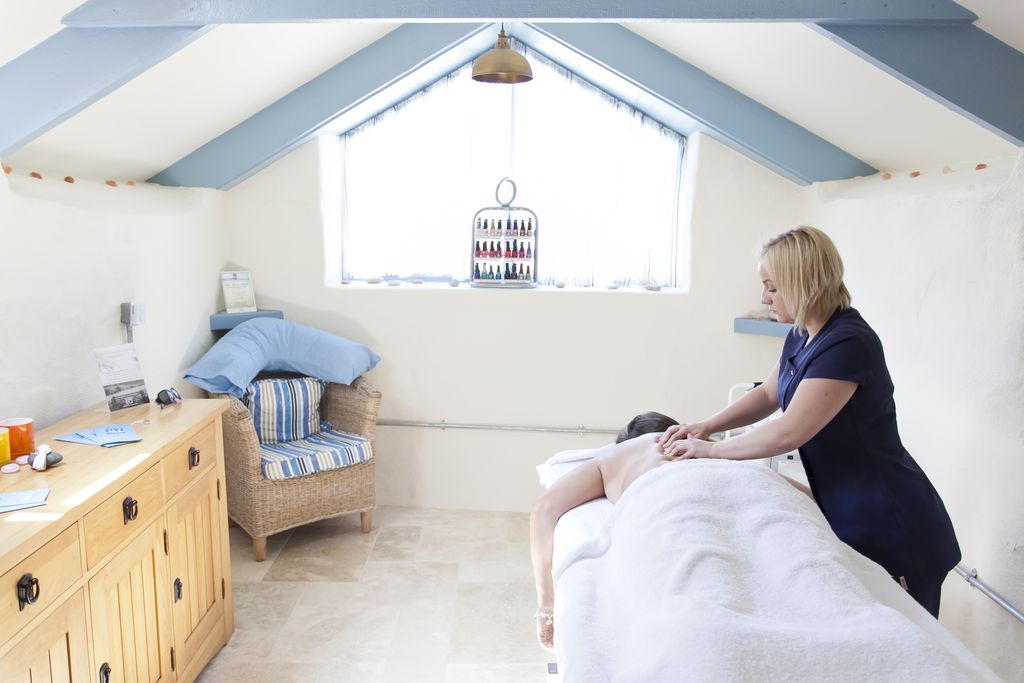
(222, 322)
(766, 328)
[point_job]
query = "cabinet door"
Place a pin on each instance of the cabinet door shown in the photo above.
(130, 624)
(55, 651)
(194, 522)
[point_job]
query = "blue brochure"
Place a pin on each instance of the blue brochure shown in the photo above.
(104, 435)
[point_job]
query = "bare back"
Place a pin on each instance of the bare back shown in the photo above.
(626, 461)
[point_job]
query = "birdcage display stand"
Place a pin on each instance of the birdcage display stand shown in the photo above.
(504, 245)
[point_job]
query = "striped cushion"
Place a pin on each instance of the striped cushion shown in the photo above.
(284, 409)
(326, 450)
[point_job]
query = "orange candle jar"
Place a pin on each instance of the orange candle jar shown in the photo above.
(21, 435)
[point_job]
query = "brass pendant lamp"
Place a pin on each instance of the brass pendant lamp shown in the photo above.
(502, 64)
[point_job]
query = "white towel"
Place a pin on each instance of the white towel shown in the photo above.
(561, 463)
(721, 571)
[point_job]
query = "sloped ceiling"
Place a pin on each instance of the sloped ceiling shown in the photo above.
(234, 71)
(831, 92)
(194, 95)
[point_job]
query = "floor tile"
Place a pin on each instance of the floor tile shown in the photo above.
(322, 553)
(262, 606)
(396, 543)
(244, 566)
(494, 623)
(495, 673)
(429, 596)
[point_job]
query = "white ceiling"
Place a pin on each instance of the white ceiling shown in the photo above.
(235, 70)
(191, 97)
(795, 71)
(1002, 18)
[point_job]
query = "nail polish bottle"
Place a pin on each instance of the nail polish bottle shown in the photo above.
(476, 271)
(529, 251)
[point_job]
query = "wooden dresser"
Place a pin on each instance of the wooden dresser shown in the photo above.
(124, 575)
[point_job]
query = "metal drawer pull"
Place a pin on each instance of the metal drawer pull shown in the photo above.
(193, 457)
(104, 673)
(130, 506)
(28, 591)
(177, 590)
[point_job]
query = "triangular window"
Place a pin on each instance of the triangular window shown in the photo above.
(603, 179)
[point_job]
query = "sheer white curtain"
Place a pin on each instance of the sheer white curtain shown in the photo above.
(603, 180)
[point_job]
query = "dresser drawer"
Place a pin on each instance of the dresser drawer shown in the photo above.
(46, 573)
(110, 523)
(189, 460)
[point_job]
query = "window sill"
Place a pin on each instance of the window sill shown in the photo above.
(406, 285)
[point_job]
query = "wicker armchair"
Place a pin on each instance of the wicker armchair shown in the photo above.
(263, 507)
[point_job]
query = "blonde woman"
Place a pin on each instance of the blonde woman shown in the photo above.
(837, 400)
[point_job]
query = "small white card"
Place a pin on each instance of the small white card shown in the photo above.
(121, 376)
(238, 293)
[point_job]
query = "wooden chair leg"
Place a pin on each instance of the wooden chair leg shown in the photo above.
(366, 518)
(259, 548)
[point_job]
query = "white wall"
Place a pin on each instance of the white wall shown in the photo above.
(936, 266)
(549, 357)
(71, 254)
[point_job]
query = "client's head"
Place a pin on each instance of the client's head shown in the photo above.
(645, 423)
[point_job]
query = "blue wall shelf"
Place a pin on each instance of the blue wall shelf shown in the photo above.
(226, 321)
(767, 328)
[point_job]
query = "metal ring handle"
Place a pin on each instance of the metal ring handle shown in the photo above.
(497, 190)
(193, 457)
(130, 507)
(104, 673)
(28, 591)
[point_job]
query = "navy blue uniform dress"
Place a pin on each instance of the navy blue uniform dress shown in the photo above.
(871, 491)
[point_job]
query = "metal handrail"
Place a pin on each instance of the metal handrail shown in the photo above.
(971, 575)
(444, 424)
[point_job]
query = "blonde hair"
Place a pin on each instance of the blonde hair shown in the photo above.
(807, 269)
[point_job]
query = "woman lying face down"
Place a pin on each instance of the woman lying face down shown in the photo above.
(612, 469)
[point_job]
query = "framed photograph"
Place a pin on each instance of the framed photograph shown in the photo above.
(121, 376)
(238, 293)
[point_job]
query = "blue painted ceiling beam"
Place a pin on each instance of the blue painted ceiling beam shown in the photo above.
(681, 96)
(72, 69)
(963, 67)
(610, 56)
(383, 73)
(125, 13)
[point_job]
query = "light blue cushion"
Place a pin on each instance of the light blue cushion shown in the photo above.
(284, 409)
(270, 344)
(325, 450)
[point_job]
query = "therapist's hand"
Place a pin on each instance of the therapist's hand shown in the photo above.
(699, 430)
(688, 447)
(691, 447)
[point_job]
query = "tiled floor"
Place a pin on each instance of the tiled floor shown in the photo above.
(431, 596)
